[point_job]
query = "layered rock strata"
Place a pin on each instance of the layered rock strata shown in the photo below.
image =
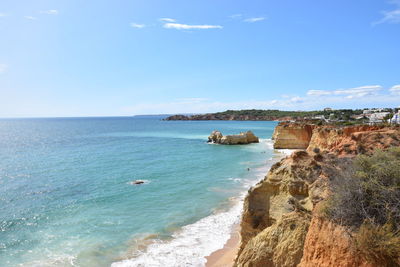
(292, 135)
(282, 222)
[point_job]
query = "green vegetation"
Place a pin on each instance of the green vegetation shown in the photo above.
(340, 114)
(368, 202)
(268, 113)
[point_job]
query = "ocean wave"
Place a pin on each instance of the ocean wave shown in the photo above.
(192, 243)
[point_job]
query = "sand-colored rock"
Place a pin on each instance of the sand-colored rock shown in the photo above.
(293, 185)
(353, 140)
(292, 135)
(237, 139)
(292, 192)
(328, 244)
(278, 245)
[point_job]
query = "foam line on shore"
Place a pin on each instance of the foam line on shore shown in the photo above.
(192, 243)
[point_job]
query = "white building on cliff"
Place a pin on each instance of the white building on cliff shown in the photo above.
(396, 118)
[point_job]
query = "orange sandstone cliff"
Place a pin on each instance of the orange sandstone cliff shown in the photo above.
(292, 135)
(281, 222)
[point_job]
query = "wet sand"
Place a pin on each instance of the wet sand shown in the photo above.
(226, 256)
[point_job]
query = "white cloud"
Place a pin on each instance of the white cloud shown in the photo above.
(372, 96)
(30, 17)
(167, 20)
(251, 20)
(50, 12)
(392, 16)
(180, 26)
(3, 15)
(296, 99)
(395, 90)
(137, 25)
(318, 93)
(349, 93)
(235, 16)
(359, 91)
(3, 68)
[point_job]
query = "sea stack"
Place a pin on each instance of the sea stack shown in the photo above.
(236, 139)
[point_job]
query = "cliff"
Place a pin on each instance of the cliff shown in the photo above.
(282, 223)
(340, 140)
(292, 135)
(278, 210)
(354, 139)
(328, 244)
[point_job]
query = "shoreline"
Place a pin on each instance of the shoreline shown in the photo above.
(226, 256)
(205, 235)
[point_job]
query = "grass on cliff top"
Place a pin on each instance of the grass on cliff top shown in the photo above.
(368, 202)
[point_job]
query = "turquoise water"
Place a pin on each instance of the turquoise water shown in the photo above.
(66, 200)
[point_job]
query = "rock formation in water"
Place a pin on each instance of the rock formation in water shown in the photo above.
(237, 139)
(281, 221)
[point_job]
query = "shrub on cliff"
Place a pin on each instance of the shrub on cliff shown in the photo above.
(368, 202)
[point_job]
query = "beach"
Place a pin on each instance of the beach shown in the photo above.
(225, 257)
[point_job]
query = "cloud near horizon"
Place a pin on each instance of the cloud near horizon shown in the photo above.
(179, 26)
(50, 12)
(252, 20)
(392, 16)
(167, 20)
(137, 25)
(395, 90)
(30, 17)
(3, 68)
(359, 97)
(349, 93)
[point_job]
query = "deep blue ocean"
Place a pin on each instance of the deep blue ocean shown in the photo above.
(66, 197)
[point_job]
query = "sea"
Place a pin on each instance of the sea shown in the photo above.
(67, 197)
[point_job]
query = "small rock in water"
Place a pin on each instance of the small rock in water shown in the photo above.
(137, 182)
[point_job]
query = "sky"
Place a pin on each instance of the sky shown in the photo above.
(127, 57)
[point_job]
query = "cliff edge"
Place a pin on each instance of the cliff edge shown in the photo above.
(282, 222)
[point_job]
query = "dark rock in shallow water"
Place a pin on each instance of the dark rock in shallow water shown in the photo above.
(236, 139)
(136, 182)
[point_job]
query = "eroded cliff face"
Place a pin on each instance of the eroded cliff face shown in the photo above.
(353, 140)
(288, 194)
(292, 135)
(329, 244)
(282, 223)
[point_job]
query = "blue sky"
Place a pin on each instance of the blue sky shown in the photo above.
(120, 57)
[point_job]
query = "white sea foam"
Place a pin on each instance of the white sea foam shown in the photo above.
(192, 243)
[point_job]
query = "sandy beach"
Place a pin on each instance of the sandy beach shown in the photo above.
(226, 256)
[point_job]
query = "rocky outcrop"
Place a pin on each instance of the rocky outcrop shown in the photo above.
(350, 140)
(282, 222)
(281, 244)
(177, 118)
(292, 135)
(291, 189)
(237, 139)
(353, 140)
